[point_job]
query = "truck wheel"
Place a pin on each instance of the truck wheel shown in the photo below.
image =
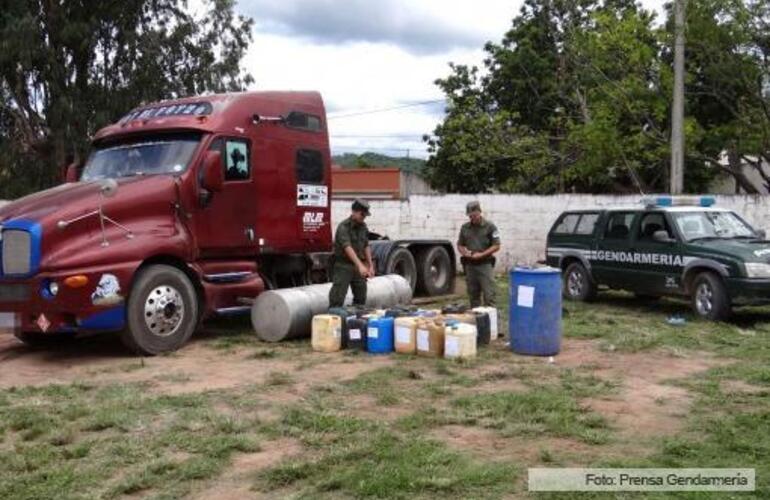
(577, 284)
(709, 297)
(400, 261)
(434, 271)
(162, 311)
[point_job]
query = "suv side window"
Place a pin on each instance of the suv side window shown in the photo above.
(567, 224)
(587, 224)
(618, 225)
(650, 224)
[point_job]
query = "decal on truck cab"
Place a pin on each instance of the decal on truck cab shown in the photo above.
(312, 195)
(107, 292)
(312, 221)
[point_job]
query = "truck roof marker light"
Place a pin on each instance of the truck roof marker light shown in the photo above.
(77, 281)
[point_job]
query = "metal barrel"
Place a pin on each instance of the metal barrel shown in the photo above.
(287, 313)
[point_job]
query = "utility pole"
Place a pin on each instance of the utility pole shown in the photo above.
(677, 110)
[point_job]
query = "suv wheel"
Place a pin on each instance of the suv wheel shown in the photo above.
(578, 284)
(162, 311)
(709, 297)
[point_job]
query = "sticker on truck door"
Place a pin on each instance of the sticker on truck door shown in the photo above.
(312, 222)
(312, 195)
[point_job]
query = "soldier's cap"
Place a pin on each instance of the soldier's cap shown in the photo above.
(473, 206)
(361, 205)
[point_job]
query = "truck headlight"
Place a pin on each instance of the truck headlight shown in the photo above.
(757, 270)
(53, 288)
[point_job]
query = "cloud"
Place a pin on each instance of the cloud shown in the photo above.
(417, 27)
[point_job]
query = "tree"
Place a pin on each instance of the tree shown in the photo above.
(69, 68)
(728, 90)
(586, 86)
(574, 86)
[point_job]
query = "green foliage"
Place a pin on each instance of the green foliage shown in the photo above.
(374, 160)
(576, 98)
(69, 68)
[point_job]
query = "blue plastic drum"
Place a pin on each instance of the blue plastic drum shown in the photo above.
(534, 321)
(379, 337)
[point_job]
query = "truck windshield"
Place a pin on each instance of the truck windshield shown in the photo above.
(712, 225)
(168, 154)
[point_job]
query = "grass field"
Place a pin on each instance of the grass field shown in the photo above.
(231, 417)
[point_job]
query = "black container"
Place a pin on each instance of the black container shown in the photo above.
(483, 328)
(354, 333)
(454, 309)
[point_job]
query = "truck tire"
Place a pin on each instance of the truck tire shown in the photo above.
(578, 284)
(400, 261)
(434, 271)
(709, 297)
(162, 311)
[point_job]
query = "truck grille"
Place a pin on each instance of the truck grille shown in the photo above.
(17, 249)
(14, 293)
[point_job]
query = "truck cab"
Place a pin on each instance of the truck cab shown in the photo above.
(181, 208)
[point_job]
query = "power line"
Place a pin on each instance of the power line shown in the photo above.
(362, 148)
(385, 110)
(383, 136)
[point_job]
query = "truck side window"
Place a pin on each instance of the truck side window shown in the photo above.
(567, 224)
(309, 167)
(237, 164)
(618, 225)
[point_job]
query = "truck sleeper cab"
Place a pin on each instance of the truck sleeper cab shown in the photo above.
(708, 254)
(183, 209)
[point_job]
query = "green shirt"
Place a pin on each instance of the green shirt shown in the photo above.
(478, 237)
(350, 233)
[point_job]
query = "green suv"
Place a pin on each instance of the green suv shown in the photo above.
(662, 247)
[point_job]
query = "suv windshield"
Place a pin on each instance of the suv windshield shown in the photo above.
(168, 154)
(700, 225)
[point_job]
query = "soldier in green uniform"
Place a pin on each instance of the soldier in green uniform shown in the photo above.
(479, 240)
(352, 257)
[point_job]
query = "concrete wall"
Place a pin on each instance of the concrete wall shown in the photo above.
(523, 220)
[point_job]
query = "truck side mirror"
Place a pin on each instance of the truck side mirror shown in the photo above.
(213, 172)
(662, 237)
(72, 174)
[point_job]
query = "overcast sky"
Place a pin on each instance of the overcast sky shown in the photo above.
(365, 55)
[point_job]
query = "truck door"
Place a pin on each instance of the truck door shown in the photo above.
(660, 264)
(610, 264)
(225, 221)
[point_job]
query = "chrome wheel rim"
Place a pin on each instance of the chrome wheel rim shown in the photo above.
(575, 283)
(438, 275)
(164, 311)
(704, 299)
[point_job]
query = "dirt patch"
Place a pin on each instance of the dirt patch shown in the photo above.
(194, 368)
(488, 445)
(236, 483)
(647, 405)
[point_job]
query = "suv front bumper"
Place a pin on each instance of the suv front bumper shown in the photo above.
(748, 291)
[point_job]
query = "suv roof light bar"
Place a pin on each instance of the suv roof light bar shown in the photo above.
(679, 201)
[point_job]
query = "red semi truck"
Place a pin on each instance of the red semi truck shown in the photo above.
(183, 209)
